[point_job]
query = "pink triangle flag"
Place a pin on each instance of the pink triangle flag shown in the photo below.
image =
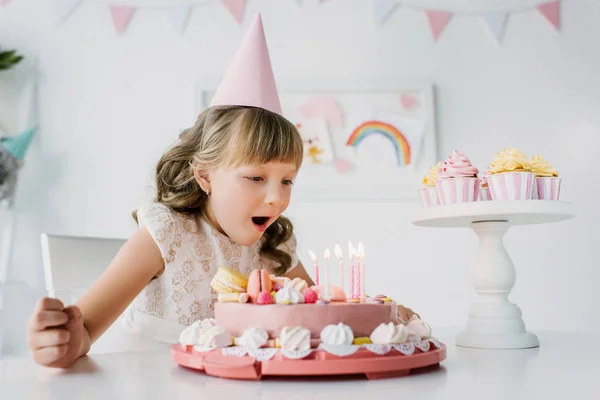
(437, 21)
(236, 8)
(551, 11)
(121, 16)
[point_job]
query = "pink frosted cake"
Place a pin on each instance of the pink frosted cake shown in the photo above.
(266, 325)
(361, 318)
(265, 311)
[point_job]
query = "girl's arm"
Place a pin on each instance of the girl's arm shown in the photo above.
(300, 272)
(131, 270)
(58, 335)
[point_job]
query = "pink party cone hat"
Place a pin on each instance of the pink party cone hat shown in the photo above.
(249, 81)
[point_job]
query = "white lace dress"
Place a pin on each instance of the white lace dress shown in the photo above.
(192, 251)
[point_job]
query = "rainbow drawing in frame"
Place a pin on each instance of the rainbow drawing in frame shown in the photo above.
(394, 135)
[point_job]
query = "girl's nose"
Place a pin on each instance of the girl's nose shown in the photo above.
(274, 195)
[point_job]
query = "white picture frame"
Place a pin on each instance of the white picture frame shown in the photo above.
(365, 182)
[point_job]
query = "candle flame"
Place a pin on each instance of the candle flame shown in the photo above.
(338, 252)
(327, 254)
(361, 250)
(312, 255)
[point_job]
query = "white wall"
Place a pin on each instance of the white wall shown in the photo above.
(110, 105)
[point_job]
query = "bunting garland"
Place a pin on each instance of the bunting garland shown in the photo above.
(122, 12)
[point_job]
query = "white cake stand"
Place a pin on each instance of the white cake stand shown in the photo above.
(494, 322)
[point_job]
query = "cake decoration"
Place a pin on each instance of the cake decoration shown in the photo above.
(189, 336)
(289, 295)
(389, 333)
(212, 338)
(295, 338)
(337, 335)
(310, 296)
(228, 280)
(232, 297)
(252, 338)
(419, 328)
(259, 281)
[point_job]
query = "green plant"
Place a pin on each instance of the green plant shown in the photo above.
(9, 59)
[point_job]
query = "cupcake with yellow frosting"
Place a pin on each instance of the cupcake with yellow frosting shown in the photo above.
(510, 176)
(429, 195)
(458, 181)
(547, 182)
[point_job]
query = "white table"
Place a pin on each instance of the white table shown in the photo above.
(564, 367)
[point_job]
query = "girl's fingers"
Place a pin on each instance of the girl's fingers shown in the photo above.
(49, 338)
(49, 355)
(47, 319)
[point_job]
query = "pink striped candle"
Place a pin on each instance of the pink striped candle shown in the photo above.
(512, 185)
(457, 190)
(351, 258)
(313, 257)
(361, 273)
(548, 187)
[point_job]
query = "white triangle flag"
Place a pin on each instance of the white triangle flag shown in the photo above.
(496, 22)
(64, 8)
(180, 16)
(383, 9)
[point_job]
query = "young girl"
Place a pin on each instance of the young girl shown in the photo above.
(220, 194)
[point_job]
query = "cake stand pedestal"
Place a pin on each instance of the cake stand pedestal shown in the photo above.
(494, 322)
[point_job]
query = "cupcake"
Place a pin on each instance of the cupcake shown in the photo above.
(484, 188)
(429, 196)
(510, 176)
(547, 182)
(458, 182)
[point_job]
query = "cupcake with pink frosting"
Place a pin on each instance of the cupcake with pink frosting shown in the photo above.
(484, 188)
(458, 182)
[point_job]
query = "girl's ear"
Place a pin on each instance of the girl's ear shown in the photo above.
(202, 179)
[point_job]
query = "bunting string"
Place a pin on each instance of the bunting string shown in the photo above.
(122, 12)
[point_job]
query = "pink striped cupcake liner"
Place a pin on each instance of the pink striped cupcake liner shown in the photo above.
(548, 187)
(484, 194)
(512, 185)
(457, 190)
(429, 197)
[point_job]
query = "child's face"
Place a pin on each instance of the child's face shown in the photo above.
(245, 200)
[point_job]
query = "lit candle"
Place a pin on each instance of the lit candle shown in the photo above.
(361, 273)
(314, 260)
(338, 253)
(351, 258)
(326, 256)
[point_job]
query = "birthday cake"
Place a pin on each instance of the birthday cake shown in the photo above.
(272, 313)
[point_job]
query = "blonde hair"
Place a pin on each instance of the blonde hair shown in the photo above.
(229, 136)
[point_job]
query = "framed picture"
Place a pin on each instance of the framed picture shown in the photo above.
(363, 139)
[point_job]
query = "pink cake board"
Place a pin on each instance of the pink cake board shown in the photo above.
(318, 363)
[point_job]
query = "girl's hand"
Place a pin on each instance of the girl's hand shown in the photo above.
(405, 313)
(55, 333)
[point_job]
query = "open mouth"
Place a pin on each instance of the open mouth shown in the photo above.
(260, 223)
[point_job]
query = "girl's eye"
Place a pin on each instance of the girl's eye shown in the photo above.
(288, 182)
(256, 178)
